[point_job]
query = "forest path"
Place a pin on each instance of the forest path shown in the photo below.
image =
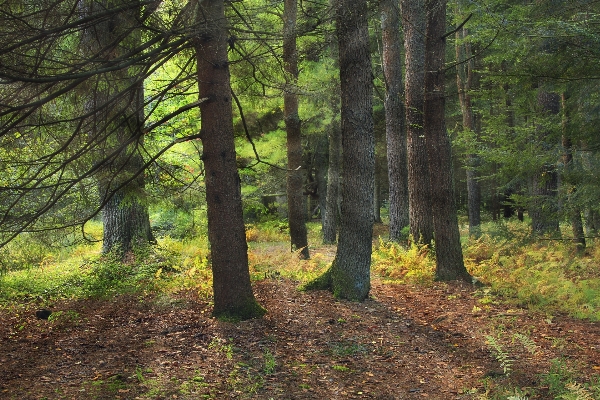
(405, 342)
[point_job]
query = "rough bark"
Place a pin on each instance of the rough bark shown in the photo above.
(394, 118)
(419, 197)
(233, 296)
(350, 271)
(464, 80)
(350, 274)
(295, 198)
(449, 257)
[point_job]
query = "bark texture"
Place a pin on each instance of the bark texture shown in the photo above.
(233, 296)
(394, 118)
(295, 175)
(419, 196)
(350, 274)
(449, 257)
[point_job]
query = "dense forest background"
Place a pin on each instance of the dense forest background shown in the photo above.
(416, 140)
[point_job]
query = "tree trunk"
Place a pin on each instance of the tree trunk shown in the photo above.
(118, 106)
(544, 183)
(449, 257)
(330, 220)
(377, 196)
(350, 271)
(464, 80)
(233, 297)
(350, 274)
(295, 198)
(394, 118)
(419, 196)
(573, 210)
(320, 165)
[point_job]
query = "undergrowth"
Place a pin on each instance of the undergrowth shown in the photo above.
(412, 264)
(549, 276)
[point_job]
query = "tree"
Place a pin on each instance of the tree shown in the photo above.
(75, 109)
(465, 76)
(295, 199)
(448, 251)
(233, 296)
(349, 275)
(419, 190)
(573, 209)
(543, 209)
(394, 118)
(333, 184)
(118, 105)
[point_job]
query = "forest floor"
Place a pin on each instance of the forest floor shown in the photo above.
(438, 341)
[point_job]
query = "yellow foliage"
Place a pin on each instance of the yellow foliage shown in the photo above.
(413, 264)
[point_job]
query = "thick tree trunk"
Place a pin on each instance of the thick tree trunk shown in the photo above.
(118, 106)
(350, 271)
(295, 198)
(330, 220)
(233, 297)
(419, 196)
(350, 274)
(394, 118)
(464, 80)
(126, 222)
(449, 257)
(544, 183)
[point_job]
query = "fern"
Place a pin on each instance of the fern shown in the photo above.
(517, 396)
(527, 342)
(501, 356)
(577, 392)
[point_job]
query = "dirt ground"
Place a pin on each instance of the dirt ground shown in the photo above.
(405, 342)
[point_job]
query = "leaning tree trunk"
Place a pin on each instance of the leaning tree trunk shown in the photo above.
(419, 196)
(350, 274)
(233, 297)
(295, 198)
(448, 251)
(394, 118)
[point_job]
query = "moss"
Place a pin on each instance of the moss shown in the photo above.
(322, 282)
(249, 310)
(344, 287)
